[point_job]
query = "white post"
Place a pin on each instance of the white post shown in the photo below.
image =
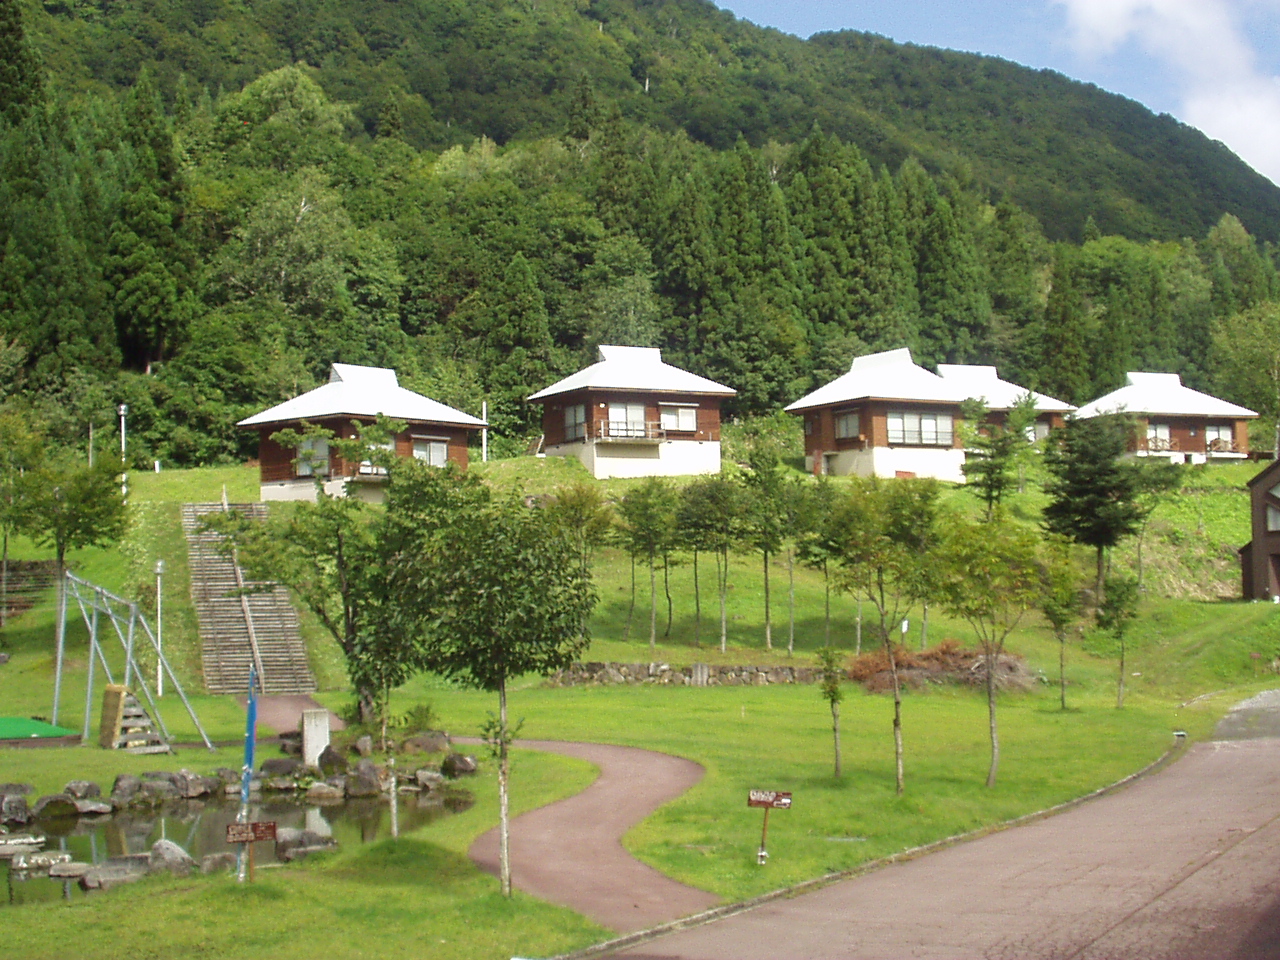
(61, 630)
(315, 735)
(395, 799)
(91, 445)
(123, 410)
(160, 628)
(484, 431)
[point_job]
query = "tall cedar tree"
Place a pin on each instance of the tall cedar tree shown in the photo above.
(21, 79)
(1092, 490)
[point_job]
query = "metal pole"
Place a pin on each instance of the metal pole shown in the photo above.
(484, 431)
(159, 628)
(246, 773)
(763, 856)
(123, 410)
(88, 687)
(62, 642)
(128, 646)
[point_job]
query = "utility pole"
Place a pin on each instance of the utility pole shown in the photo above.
(123, 410)
(159, 628)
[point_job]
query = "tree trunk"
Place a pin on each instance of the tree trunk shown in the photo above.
(366, 700)
(1120, 685)
(1100, 578)
(722, 576)
(826, 613)
(791, 603)
(384, 710)
(61, 634)
(4, 582)
(1142, 532)
(653, 604)
(924, 626)
(835, 730)
(897, 715)
(631, 610)
(697, 604)
(504, 818)
(666, 588)
(857, 650)
(1062, 667)
(992, 662)
(768, 619)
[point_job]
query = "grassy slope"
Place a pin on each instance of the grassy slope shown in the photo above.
(746, 737)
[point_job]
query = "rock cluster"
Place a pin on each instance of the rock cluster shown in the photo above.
(696, 675)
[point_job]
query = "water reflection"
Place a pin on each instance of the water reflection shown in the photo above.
(200, 826)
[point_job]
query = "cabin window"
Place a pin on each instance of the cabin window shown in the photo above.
(1218, 437)
(433, 451)
(1158, 436)
(368, 468)
(575, 421)
(626, 420)
(313, 458)
(682, 419)
(848, 426)
(920, 429)
(1273, 519)
(1037, 431)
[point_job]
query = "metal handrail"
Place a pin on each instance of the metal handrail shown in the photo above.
(244, 606)
(630, 430)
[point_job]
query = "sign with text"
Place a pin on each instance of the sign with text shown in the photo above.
(771, 799)
(251, 832)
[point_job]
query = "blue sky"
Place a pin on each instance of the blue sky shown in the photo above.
(1214, 64)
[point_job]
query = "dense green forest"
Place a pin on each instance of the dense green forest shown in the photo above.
(194, 224)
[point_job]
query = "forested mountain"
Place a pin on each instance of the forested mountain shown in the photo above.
(508, 69)
(188, 230)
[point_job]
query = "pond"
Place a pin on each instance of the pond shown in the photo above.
(199, 827)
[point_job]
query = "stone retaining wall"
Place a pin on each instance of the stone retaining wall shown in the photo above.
(697, 675)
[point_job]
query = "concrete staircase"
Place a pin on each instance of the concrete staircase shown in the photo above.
(259, 628)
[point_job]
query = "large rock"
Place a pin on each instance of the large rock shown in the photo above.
(458, 765)
(93, 807)
(53, 806)
(82, 789)
(367, 768)
(125, 789)
(280, 767)
(293, 844)
(168, 776)
(116, 871)
(325, 793)
(16, 789)
(167, 855)
(364, 746)
(13, 809)
(359, 785)
(332, 763)
(429, 779)
(279, 784)
(216, 862)
(192, 785)
(157, 791)
(433, 742)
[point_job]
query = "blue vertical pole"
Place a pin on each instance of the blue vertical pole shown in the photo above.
(246, 773)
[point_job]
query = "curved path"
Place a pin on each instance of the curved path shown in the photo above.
(570, 852)
(1183, 864)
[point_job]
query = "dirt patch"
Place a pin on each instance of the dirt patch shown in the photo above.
(947, 663)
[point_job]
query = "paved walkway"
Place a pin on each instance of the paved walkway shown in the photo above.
(282, 713)
(571, 852)
(1182, 865)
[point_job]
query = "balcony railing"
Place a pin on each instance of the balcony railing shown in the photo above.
(1223, 445)
(630, 431)
(1158, 445)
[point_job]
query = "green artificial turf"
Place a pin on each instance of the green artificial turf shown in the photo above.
(23, 728)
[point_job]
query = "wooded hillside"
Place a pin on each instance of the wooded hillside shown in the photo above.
(184, 232)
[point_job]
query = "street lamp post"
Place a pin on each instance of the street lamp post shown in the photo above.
(159, 628)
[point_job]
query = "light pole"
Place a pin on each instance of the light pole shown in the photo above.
(159, 628)
(123, 410)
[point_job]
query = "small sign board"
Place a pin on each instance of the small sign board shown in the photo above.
(251, 832)
(772, 799)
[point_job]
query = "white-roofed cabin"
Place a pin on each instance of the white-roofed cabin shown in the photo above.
(886, 417)
(632, 415)
(434, 432)
(1176, 422)
(979, 382)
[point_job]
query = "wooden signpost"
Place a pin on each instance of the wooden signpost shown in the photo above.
(250, 833)
(769, 800)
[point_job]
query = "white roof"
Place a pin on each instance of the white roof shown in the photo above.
(634, 368)
(982, 383)
(362, 392)
(890, 375)
(1161, 393)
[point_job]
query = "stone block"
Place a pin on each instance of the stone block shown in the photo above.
(54, 805)
(93, 807)
(364, 745)
(82, 789)
(459, 765)
(315, 735)
(167, 855)
(331, 762)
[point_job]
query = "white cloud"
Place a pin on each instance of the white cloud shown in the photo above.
(1224, 91)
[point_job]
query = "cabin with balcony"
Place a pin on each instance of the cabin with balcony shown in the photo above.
(1176, 422)
(434, 433)
(886, 417)
(632, 415)
(1260, 557)
(980, 382)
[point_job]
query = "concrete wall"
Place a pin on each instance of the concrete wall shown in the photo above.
(669, 458)
(940, 463)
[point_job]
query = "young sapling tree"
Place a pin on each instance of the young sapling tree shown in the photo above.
(832, 674)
